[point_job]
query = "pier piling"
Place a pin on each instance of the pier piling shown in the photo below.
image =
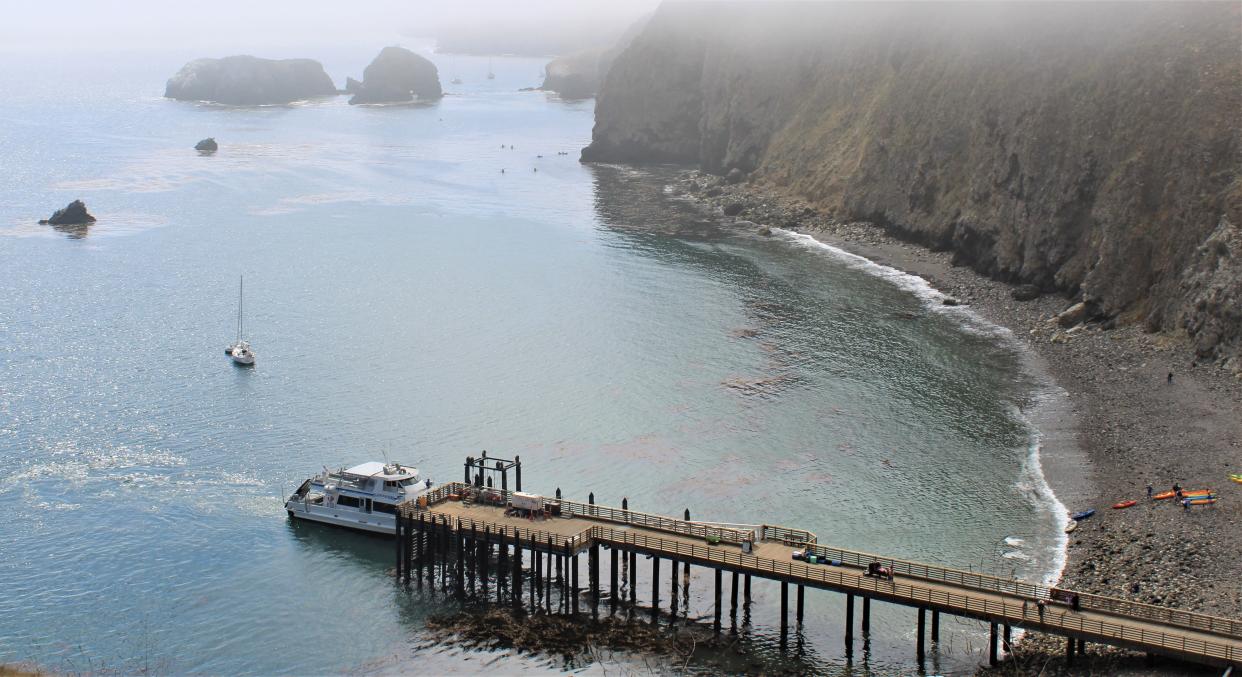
(992, 659)
(655, 587)
(612, 580)
(935, 630)
(921, 638)
(849, 618)
(801, 599)
(784, 608)
(719, 578)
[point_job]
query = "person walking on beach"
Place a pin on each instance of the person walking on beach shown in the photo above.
(1170, 377)
(1149, 490)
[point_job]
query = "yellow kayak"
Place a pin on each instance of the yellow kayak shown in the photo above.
(1236, 478)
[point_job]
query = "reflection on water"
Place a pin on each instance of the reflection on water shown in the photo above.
(410, 300)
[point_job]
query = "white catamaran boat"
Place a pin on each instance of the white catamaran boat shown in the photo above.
(240, 350)
(364, 497)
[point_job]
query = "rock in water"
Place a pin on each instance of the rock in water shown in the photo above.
(352, 86)
(249, 81)
(398, 75)
(73, 214)
(575, 76)
(207, 145)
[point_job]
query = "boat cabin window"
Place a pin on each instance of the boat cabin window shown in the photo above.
(390, 485)
(348, 500)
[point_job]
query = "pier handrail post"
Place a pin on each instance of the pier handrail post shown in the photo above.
(517, 471)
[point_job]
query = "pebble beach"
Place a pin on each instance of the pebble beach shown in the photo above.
(1123, 424)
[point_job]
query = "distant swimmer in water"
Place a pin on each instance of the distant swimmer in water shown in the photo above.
(886, 463)
(502, 170)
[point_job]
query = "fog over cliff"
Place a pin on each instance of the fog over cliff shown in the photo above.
(1088, 148)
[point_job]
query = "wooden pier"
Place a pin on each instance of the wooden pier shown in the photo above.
(462, 532)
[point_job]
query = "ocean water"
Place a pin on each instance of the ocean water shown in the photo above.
(407, 298)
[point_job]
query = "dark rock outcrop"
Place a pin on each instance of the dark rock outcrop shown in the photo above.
(72, 215)
(207, 145)
(398, 75)
(1025, 292)
(249, 81)
(1088, 148)
(576, 76)
(580, 74)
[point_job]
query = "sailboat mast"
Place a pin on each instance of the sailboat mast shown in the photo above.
(241, 285)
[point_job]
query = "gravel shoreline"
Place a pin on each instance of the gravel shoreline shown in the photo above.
(1123, 425)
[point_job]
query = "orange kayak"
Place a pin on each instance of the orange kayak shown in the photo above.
(1124, 504)
(1185, 494)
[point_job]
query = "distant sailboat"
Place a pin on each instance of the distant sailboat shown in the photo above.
(240, 350)
(490, 74)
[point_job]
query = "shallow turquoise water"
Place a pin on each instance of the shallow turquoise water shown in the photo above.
(407, 298)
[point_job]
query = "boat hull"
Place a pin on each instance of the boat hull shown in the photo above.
(375, 523)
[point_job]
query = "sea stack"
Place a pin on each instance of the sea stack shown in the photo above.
(73, 214)
(207, 145)
(250, 81)
(397, 75)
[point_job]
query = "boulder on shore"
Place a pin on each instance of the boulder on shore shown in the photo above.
(397, 75)
(73, 214)
(207, 145)
(249, 81)
(1025, 292)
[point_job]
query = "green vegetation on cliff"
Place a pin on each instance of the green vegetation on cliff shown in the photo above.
(1090, 148)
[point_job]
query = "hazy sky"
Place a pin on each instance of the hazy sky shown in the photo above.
(221, 24)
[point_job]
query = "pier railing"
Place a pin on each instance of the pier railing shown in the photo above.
(1034, 591)
(606, 513)
(800, 538)
(1027, 614)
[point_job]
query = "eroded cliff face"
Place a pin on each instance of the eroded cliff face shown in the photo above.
(1087, 148)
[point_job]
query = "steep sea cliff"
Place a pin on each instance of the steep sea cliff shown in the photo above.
(1090, 149)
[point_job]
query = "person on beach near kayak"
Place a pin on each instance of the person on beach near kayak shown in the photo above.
(1149, 490)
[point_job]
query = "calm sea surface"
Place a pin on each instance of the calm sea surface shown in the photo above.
(407, 298)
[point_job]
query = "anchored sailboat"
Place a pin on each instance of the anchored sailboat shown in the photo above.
(240, 350)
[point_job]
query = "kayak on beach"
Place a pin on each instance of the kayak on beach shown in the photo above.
(1202, 501)
(1124, 504)
(1164, 494)
(1069, 528)
(1236, 478)
(1082, 515)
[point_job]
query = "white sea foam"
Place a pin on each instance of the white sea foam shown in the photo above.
(932, 298)
(1031, 477)
(1014, 541)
